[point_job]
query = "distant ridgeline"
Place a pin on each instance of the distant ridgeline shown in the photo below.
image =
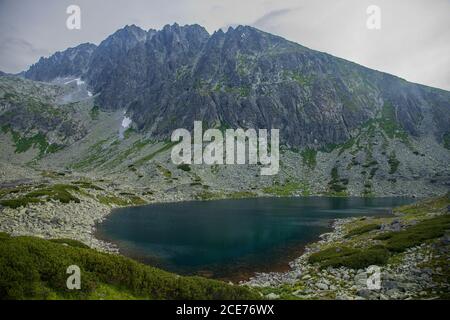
(246, 78)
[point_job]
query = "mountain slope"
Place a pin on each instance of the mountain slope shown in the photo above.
(35, 268)
(345, 129)
(71, 62)
(248, 78)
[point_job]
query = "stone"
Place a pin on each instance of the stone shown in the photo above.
(365, 293)
(272, 296)
(322, 286)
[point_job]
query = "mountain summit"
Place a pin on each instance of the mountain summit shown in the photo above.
(244, 77)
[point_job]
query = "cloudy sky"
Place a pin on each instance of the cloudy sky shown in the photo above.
(413, 42)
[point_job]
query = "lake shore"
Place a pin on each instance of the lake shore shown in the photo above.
(404, 274)
(419, 271)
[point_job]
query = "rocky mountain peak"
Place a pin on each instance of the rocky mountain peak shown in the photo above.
(166, 79)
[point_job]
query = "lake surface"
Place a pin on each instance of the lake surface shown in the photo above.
(231, 239)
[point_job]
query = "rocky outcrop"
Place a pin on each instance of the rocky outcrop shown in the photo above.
(71, 62)
(244, 77)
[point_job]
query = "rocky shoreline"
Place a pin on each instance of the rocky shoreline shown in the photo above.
(408, 276)
(404, 278)
(57, 220)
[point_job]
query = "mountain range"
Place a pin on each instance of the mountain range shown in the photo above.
(344, 128)
(241, 78)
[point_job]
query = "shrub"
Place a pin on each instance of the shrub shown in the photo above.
(184, 167)
(34, 268)
(363, 229)
(414, 235)
(354, 258)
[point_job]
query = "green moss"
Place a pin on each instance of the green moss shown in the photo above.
(34, 268)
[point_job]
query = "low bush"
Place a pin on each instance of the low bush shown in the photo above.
(34, 268)
(414, 235)
(363, 229)
(354, 258)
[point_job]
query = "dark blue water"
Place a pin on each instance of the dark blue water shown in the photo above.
(231, 239)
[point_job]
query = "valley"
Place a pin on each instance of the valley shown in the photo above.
(82, 135)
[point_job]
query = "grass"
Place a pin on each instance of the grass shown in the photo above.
(39, 141)
(353, 258)
(184, 167)
(87, 185)
(34, 268)
(363, 229)
(57, 192)
(309, 157)
(425, 206)
(287, 189)
(393, 163)
(390, 125)
(165, 172)
(150, 156)
(206, 195)
(337, 186)
(94, 112)
(389, 244)
(241, 194)
(125, 200)
(417, 234)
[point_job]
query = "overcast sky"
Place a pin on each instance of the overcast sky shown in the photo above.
(413, 42)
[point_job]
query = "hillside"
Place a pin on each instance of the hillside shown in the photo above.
(246, 78)
(33, 268)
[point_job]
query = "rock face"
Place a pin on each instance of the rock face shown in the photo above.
(73, 62)
(29, 112)
(244, 78)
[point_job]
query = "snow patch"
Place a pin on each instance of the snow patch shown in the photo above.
(126, 123)
(78, 80)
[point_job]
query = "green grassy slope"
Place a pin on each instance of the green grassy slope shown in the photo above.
(33, 268)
